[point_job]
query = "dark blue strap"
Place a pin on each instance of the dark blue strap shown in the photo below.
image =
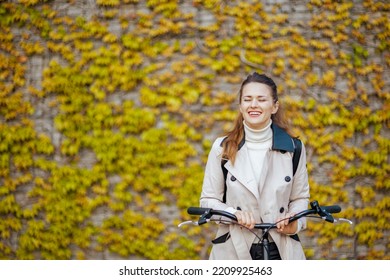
(297, 154)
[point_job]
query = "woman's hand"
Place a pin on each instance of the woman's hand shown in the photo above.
(283, 225)
(245, 219)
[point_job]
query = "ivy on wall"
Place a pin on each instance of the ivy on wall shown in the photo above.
(102, 150)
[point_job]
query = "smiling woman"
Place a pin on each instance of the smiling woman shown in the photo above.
(259, 186)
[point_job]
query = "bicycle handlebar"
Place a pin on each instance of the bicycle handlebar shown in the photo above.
(201, 210)
(323, 211)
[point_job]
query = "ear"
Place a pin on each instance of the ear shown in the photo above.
(276, 107)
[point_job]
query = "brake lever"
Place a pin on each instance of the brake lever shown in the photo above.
(187, 223)
(341, 220)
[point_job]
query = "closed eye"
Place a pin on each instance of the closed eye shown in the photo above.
(259, 99)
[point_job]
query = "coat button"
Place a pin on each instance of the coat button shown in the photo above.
(287, 178)
(233, 178)
(281, 210)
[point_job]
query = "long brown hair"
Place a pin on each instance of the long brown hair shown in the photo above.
(236, 134)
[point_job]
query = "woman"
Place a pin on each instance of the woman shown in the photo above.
(260, 186)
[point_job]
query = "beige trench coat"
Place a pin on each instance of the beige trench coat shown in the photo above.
(278, 194)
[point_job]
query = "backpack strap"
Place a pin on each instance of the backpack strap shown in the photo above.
(225, 172)
(297, 153)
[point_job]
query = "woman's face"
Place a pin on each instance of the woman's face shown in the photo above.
(257, 105)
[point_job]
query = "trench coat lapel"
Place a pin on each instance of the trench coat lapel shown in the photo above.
(242, 171)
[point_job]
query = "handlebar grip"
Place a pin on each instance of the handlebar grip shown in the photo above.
(332, 209)
(197, 210)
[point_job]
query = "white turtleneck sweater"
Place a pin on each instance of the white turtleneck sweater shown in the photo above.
(258, 142)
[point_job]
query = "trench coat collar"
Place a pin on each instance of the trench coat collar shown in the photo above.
(281, 140)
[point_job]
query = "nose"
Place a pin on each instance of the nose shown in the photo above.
(254, 103)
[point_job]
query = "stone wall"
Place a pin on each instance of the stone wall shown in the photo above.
(319, 52)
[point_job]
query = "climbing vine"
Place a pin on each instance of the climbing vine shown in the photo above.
(108, 112)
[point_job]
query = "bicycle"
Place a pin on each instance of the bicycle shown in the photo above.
(316, 211)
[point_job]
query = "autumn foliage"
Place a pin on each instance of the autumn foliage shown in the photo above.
(108, 111)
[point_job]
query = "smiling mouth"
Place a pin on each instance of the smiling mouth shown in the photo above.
(254, 114)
